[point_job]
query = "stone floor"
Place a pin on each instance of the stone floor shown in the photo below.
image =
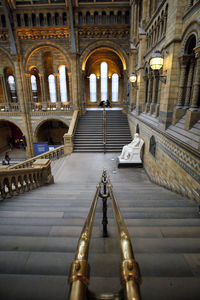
(39, 231)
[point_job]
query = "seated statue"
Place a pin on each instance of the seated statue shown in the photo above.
(131, 152)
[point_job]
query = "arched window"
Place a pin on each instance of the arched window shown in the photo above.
(104, 81)
(18, 20)
(80, 18)
(57, 21)
(127, 17)
(26, 22)
(93, 88)
(96, 18)
(115, 87)
(88, 21)
(104, 17)
(11, 83)
(63, 85)
(41, 17)
(3, 21)
(33, 83)
(33, 20)
(34, 87)
(52, 88)
(111, 17)
(49, 19)
(64, 17)
(119, 17)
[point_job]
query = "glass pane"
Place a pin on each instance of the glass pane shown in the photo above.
(115, 87)
(93, 88)
(33, 83)
(104, 81)
(63, 85)
(11, 82)
(52, 88)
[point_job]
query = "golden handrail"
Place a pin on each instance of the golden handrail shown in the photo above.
(104, 128)
(130, 275)
(79, 273)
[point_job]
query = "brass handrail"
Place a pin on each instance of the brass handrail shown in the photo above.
(130, 275)
(79, 272)
(104, 129)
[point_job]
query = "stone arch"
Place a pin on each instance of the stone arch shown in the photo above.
(191, 29)
(37, 46)
(16, 123)
(38, 124)
(103, 44)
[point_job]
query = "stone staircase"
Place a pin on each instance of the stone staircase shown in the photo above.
(89, 133)
(117, 131)
(39, 231)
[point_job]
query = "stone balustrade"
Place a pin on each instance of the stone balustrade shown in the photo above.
(51, 155)
(14, 182)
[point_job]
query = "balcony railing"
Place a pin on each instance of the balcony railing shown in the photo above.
(49, 106)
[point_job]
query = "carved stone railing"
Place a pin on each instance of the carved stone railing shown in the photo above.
(69, 136)
(52, 154)
(14, 182)
(49, 106)
(10, 107)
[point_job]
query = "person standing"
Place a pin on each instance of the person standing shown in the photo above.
(7, 158)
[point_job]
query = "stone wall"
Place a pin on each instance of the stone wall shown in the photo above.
(173, 166)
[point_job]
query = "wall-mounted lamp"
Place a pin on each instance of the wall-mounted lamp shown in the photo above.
(133, 79)
(156, 63)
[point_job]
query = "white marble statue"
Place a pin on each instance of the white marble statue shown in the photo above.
(131, 152)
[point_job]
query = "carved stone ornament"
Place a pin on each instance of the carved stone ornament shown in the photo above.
(34, 34)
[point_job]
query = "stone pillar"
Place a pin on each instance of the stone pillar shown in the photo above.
(183, 62)
(43, 91)
(109, 88)
(189, 85)
(22, 96)
(74, 80)
(82, 87)
(196, 85)
(154, 93)
(150, 89)
(29, 90)
(57, 82)
(69, 92)
(5, 95)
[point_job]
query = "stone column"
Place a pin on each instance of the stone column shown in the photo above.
(57, 82)
(22, 96)
(5, 95)
(154, 93)
(183, 62)
(69, 91)
(196, 85)
(74, 80)
(82, 86)
(179, 109)
(43, 91)
(29, 91)
(150, 89)
(189, 85)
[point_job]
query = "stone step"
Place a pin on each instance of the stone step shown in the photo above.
(99, 245)
(104, 265)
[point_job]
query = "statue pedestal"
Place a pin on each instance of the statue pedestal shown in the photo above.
(127, 163)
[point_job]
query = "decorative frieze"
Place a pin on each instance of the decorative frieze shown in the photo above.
(43, 33)
(103, 32)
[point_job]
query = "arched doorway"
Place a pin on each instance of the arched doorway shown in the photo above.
(104, 78)
(11, 138)
(51, 131)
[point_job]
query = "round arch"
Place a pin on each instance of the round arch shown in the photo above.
(11, 134)
(34, 48)
(103, 45)
(40, 124)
